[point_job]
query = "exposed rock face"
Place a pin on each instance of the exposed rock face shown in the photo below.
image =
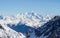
(51, 29)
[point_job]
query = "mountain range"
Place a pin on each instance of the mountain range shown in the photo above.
(28, 25)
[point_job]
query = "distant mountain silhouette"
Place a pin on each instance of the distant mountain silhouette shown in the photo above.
(1, 17)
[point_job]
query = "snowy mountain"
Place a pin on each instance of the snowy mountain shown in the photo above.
(6, 32)
(20, 25)
(51, 29)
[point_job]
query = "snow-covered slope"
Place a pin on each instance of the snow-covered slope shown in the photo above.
(33, 20)
(6, 32)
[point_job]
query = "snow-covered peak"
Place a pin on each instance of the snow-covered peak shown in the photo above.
(32, 19)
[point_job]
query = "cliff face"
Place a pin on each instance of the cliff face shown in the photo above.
(51, 29)
(56, 27)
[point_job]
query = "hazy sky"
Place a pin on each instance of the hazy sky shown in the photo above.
(13, 7)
